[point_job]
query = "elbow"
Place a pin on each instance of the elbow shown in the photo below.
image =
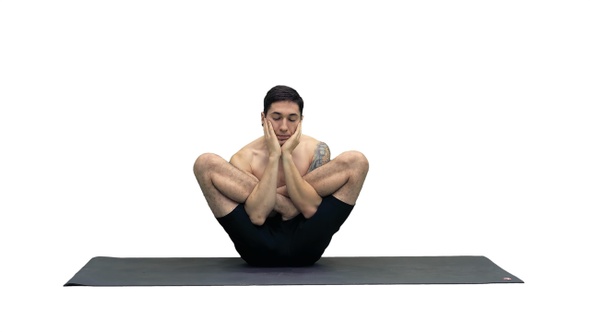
(310, 207)
(255, 216)
(257, 221)
(309, 211)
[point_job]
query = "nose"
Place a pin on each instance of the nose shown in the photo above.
(283, 126)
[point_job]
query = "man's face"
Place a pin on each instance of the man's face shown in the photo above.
(284, 117)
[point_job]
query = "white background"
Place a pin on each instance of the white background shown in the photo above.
(473, 115)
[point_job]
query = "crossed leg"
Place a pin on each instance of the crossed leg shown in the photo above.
(225, 186)
(343, 177)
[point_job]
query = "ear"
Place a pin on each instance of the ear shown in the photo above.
(262, 119)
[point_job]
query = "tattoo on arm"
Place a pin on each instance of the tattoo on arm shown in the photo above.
(321, 156)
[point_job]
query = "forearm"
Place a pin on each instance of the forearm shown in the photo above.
(261, 202)
(301, 193)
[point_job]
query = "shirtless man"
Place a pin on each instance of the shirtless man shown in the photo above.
(280, 198)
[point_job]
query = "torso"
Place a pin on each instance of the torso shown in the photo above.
(257, 154)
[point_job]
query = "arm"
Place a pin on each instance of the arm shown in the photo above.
(262, 200)
(321, 156)
(283, 204)
(301, 193)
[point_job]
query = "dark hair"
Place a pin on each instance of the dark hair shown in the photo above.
(282, 93)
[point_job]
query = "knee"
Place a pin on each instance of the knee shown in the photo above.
(204, 162)
(356, 160)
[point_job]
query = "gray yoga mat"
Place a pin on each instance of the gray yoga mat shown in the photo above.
(233, 271)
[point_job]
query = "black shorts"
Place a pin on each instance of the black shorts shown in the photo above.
(295, 242)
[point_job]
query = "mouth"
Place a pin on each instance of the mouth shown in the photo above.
(283, 137)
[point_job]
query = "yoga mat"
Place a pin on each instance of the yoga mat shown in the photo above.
(233, 271)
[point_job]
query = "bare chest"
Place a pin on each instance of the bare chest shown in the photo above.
(259, 164)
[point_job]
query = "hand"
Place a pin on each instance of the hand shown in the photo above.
(272, 142)
(293, 141)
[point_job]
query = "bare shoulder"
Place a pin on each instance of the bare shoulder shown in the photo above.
(242, 159)
(318, 151)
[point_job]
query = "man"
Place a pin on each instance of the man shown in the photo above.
(280, 198)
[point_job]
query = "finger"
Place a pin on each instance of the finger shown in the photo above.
(298, 131)
(270, 129)
(267, 128)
